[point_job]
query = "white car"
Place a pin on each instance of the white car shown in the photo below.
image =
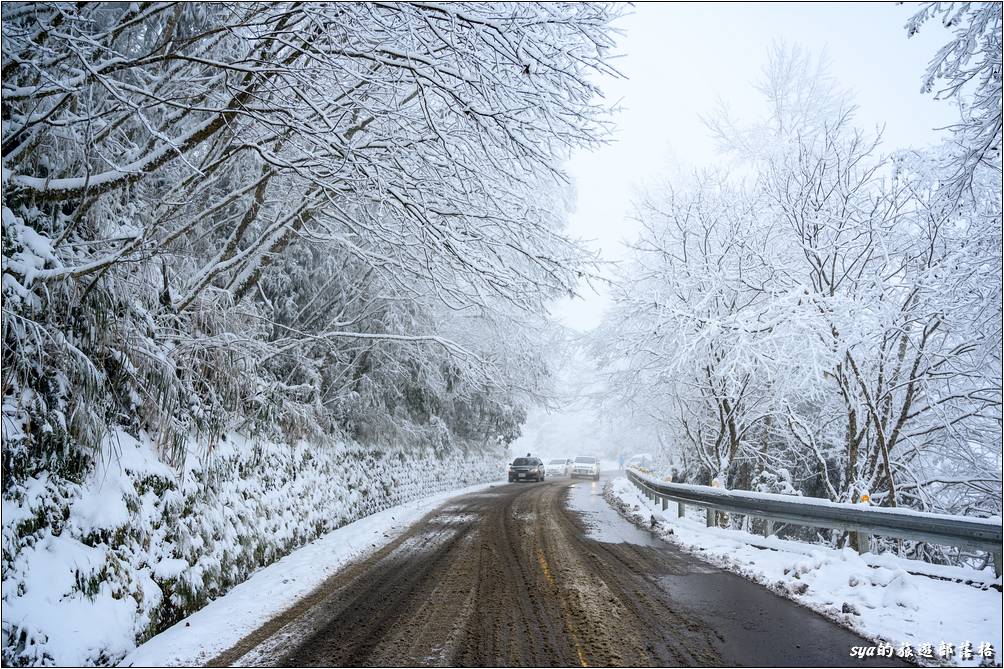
(586, 467)
(559, 467)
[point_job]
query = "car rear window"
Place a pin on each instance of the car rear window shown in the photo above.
(556, 462)
(586, 460)
(524, 461)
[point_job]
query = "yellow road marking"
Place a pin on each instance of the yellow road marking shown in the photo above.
(568, 624)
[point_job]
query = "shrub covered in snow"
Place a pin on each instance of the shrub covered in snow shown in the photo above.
(91, 568)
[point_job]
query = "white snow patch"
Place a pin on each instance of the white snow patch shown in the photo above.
(455, 518)
(85, 625)
(105, 508)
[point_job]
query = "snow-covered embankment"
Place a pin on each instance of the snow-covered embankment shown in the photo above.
(92, 568)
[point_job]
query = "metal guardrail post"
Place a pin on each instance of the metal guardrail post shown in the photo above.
(768, 527)
(709, 516)
(665, 503)
(680, 509)
(862, 542)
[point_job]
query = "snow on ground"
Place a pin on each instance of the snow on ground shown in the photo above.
(874, 595)
(226, 620)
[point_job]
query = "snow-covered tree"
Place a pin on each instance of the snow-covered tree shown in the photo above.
(968, 71)
(824, 320)
(285, 217)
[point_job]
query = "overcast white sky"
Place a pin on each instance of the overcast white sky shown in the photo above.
(679, 58)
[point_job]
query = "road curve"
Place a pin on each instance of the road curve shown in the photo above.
(511, 577)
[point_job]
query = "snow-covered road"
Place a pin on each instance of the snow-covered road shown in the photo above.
(531, 575)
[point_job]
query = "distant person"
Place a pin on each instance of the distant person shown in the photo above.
(620, 461)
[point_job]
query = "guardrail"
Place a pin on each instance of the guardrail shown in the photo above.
(978, 533)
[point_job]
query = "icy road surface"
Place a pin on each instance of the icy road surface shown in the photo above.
(540, 574)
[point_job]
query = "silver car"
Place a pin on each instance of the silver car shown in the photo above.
(558, 467)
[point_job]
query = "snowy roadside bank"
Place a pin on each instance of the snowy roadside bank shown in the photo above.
(94, 567)
(873, 595)
(225, 621)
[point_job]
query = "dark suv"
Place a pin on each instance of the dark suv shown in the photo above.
(526, 469)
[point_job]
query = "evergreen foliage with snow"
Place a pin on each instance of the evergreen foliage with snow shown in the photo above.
(284, 219)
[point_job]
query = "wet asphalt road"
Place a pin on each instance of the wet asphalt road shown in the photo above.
(513, 577)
